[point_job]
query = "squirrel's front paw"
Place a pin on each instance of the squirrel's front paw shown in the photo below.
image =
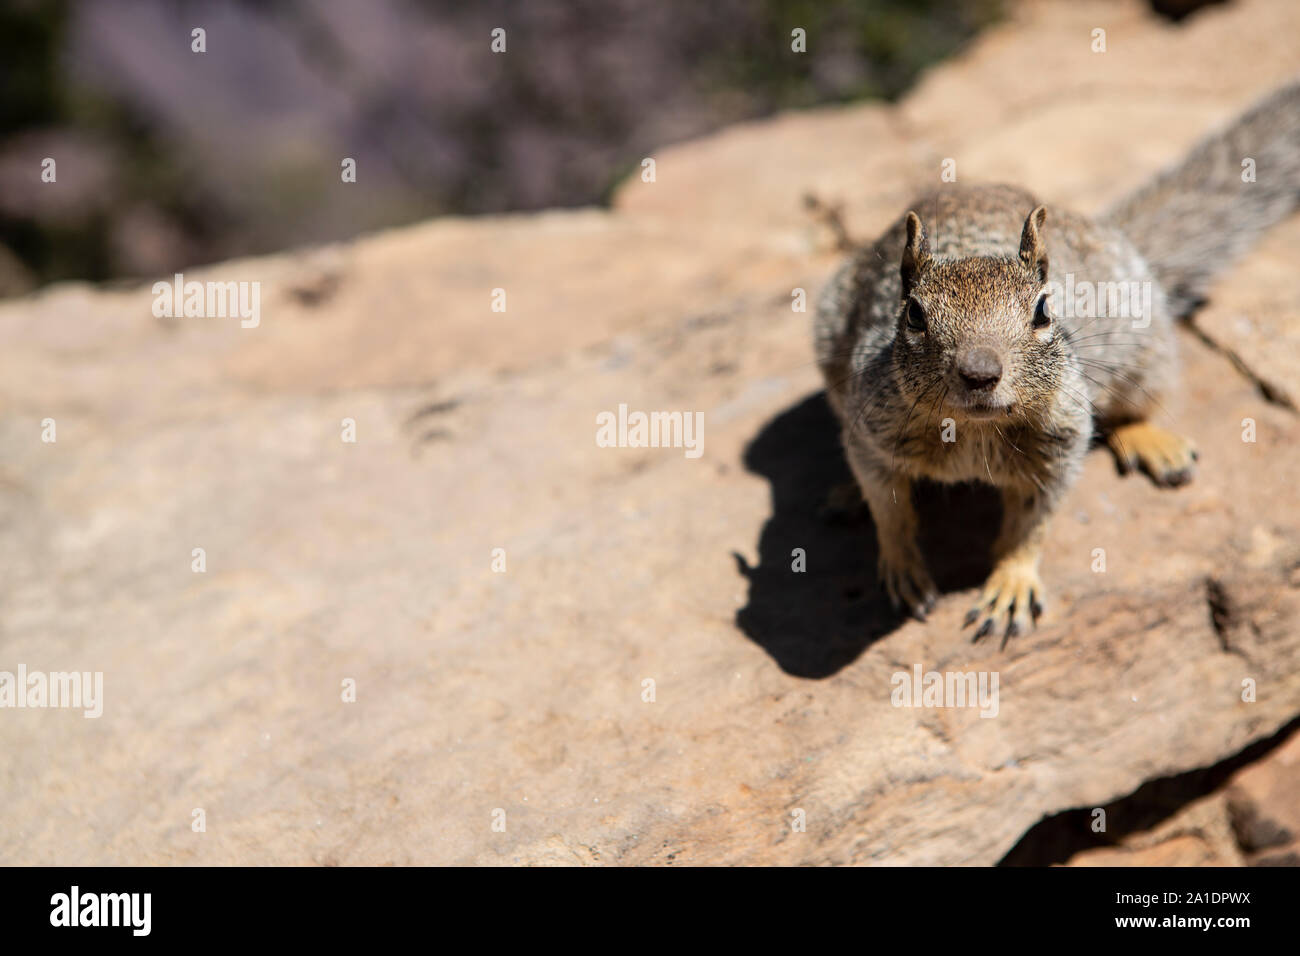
(908, 584)
(1014, 592)
(1168, 459)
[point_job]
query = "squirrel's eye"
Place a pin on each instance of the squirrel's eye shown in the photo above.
(915, 316)
(1042, 318)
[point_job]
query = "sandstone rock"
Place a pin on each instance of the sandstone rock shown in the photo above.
(1263, 809)
(1252, 819)
(1199, 835)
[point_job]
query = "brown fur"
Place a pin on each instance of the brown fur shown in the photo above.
(945, 359)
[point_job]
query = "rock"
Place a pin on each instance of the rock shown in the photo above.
(521, 696)
(1262, 807)
(1199, 835)
(1253, 324)
(1250, 820)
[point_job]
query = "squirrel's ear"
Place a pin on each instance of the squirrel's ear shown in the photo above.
(1033, 250)
(916, 252)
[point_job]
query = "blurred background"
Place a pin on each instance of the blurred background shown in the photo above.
(168, 158)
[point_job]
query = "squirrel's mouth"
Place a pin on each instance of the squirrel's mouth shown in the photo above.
(984, 411)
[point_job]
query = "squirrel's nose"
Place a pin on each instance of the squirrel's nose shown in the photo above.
(980, 368)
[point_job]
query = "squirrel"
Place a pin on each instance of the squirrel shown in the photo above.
(953, 350)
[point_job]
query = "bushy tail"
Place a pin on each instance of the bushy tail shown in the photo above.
(1193, 220)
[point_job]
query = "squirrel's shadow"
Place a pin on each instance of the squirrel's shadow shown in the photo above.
(815, 621)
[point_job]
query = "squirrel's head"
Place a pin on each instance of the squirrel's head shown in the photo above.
(977, 334)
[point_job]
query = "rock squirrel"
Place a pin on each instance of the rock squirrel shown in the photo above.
(988, 341)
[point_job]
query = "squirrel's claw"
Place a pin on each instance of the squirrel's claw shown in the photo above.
(908, 584)
(1013, 593)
